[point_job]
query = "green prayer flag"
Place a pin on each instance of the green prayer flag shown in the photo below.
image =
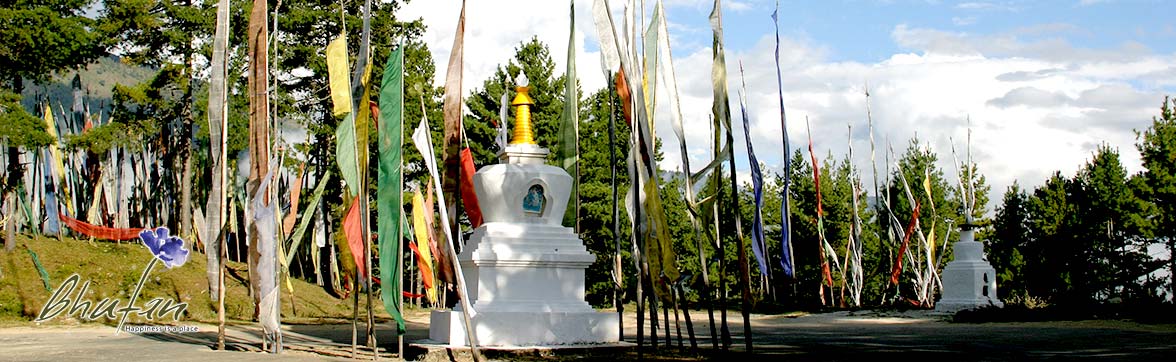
(569, 128)
(345, 153)
(651, 62)
(389, 186)
(40, 269)
(306, 216)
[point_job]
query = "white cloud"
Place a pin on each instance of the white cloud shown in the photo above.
(986, 6)
(963, 21)
(1030, 97)
(1043, 42)
(738, 6)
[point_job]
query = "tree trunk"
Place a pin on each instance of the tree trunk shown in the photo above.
(15, 177)
(186, 151)
(10, 226)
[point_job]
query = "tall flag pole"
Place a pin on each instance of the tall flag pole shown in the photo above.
(786, 261)
(719, 111)
(671, 83)
(389, 185)
(362, 112)
(569, 125)
(259, 165)
(424, 144)
(855, 264)
(723, 114)
(758, 245)
(826, 274)
(660, 254)
(451, 142)
(217, 126)
(610, 64)
(265, 226)
(661, 251)
(618, 278)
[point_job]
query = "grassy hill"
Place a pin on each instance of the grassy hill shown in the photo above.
(115, 268)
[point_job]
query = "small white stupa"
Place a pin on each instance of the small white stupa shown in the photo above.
(969, 281)
(523, 268)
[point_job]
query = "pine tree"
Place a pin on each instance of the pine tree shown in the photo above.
(1050, 273)
(1113, 253)
(1010, 234)
(1157, 147)
(162, 34)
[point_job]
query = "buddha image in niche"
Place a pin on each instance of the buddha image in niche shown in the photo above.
(533, 202)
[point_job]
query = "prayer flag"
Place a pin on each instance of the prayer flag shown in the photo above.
(468, 196)
(389, 185)
(353, 228)
(451, 141)
(337, 67)
(786, 261)
(906, 240)
(424, 255)
(758, 245)
(569, 125)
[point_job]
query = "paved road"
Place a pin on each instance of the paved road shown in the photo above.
(831, 336)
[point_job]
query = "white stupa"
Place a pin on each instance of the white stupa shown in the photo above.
(969, 281)
(523, 268)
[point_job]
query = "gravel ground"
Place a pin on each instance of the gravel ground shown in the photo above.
(816, 337)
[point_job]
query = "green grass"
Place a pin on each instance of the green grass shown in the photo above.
(115, 268)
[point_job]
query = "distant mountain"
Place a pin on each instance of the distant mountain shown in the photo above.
(97, 81)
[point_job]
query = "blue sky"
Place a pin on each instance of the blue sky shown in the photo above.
(861, 30)
(1040, 85)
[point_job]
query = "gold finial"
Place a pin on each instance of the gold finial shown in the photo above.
(522, 103)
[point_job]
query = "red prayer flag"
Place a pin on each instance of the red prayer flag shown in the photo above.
(426, 271)
(443, 265)
(906, 240)
(100, 232)
(353, 228)
(623, 93)
(467, 188)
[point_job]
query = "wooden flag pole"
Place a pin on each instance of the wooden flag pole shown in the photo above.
(463, 292)
(618, 301)
(401, 220)
(220, 290)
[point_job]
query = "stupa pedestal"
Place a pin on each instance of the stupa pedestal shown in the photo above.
(969, 281)
(525, 270)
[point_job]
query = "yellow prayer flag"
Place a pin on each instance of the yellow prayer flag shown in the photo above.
(931, 240)
(927, 183)
(363, 116)
(337, 69)
(426, 256)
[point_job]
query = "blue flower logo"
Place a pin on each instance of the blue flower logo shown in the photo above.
(168, 249)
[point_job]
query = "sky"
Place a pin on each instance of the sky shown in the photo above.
(1039, 84)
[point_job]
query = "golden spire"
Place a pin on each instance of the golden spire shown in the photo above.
(522, 103)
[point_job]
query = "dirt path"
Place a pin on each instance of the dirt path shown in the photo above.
(830, 336)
